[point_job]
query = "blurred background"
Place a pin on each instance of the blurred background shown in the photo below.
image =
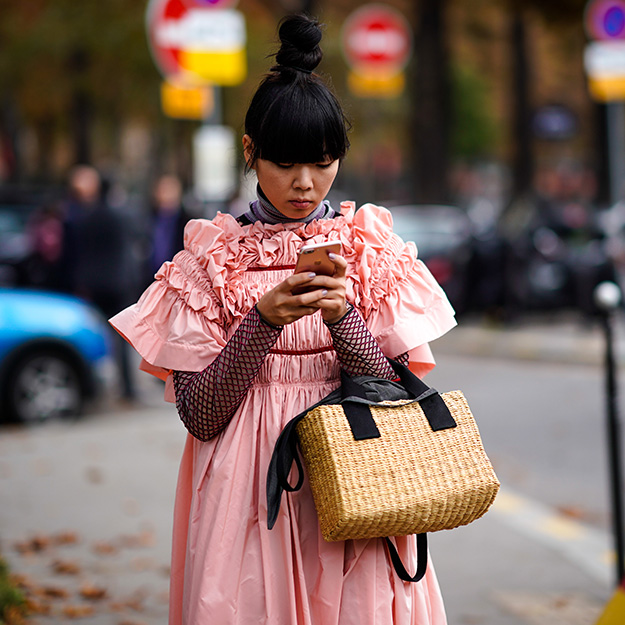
(494, 130)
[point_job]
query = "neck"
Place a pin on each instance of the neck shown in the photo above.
(263, 210)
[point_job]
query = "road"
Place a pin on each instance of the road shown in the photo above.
(544, 549)
(86, 507)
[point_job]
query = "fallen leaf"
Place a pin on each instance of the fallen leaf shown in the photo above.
(93, 593)
(35, 606)
(132, 603)
(65, 567)
(22, 581)
(571, 512)
(145, 538)
(66, 538)
(36, 544)
(13, 615)
(52, 592)
(94, 475)
(78, 611)
(103, 548)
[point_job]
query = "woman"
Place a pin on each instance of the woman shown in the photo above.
(242, 355)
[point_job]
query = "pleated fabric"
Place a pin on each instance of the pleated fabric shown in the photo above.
(227, 567)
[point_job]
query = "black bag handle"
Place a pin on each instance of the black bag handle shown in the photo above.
(422, 559)
(363, 426)
(359, 415)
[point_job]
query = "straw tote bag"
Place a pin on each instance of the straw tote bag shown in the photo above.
(386, 458)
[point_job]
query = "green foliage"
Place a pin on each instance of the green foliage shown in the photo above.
(52, 49)
(12, 600)
(474, 130)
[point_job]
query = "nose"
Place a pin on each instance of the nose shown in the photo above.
(303, 177)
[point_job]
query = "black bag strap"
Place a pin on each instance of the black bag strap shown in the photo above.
(362, 425)
(422, 559)
(359, 415)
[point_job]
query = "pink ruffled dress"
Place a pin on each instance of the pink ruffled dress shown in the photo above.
(227, 567)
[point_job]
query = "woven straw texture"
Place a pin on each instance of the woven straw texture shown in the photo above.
(408, 481)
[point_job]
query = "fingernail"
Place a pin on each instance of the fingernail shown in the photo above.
(331, 255)
(324, 292)
(312, 275)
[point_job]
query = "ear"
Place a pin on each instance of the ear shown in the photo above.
(247, 150)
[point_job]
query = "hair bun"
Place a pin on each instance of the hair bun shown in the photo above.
(300, 36)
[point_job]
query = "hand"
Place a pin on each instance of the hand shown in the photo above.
(279, 306)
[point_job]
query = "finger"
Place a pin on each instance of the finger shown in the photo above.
(299, 279)
(330, 283)
(310, 298)
(340, 263)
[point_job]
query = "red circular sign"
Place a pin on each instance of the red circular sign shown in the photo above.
(163, 24)
(377, 35)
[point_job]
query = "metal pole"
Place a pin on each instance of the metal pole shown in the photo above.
(616, 149)
(608, 297)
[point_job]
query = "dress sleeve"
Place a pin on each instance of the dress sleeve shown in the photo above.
(176, 325)
(356, 349)
(402, 304)
(207, 400)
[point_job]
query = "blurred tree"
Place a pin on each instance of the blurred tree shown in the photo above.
(557, 13)
(431, 93)
(474, 132)
(65, 63)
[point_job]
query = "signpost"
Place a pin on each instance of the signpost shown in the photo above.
(604, 60)
(196, 41)
(377, 44)
(199, 46)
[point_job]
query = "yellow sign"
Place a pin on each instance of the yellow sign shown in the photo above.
(226, 67)
(607, 89)
(614, 613)
(183, 102)
(604, 62)
(373, 84)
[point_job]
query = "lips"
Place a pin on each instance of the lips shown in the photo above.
(300, 203)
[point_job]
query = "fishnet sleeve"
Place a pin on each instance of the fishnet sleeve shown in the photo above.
(207, 400)
(356, 348)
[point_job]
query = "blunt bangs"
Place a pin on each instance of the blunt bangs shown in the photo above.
(300, 127)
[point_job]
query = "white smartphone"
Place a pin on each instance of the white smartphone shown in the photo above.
(314, 258)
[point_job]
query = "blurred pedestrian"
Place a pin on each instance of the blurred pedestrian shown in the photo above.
(168, 218)
(243, 354)
(45, 232)
(98, 263)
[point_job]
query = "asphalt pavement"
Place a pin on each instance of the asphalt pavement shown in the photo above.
(85, 510)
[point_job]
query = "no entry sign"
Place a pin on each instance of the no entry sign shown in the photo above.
(197, 40)
(377, 36)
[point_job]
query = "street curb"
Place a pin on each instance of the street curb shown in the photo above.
(566, 342)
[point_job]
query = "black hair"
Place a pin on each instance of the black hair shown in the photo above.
(294, 117)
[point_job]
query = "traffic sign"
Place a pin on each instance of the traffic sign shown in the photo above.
(604, 20)
(196, 41)
(604, 62)
(183, 102)
(377, 36)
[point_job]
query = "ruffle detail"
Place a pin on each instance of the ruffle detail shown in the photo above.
(185, 317)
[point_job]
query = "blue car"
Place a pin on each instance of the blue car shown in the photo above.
(55, 354)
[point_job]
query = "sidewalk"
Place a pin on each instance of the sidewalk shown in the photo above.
(558, 337)
(86, 512)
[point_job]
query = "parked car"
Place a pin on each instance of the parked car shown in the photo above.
(18, 253)
(444, 239)
(55, 354)
(556, 254)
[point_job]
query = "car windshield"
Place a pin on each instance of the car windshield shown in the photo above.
(431, 230)
(13, 218)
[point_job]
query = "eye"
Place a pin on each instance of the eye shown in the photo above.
(325, 164)
(284, 165)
